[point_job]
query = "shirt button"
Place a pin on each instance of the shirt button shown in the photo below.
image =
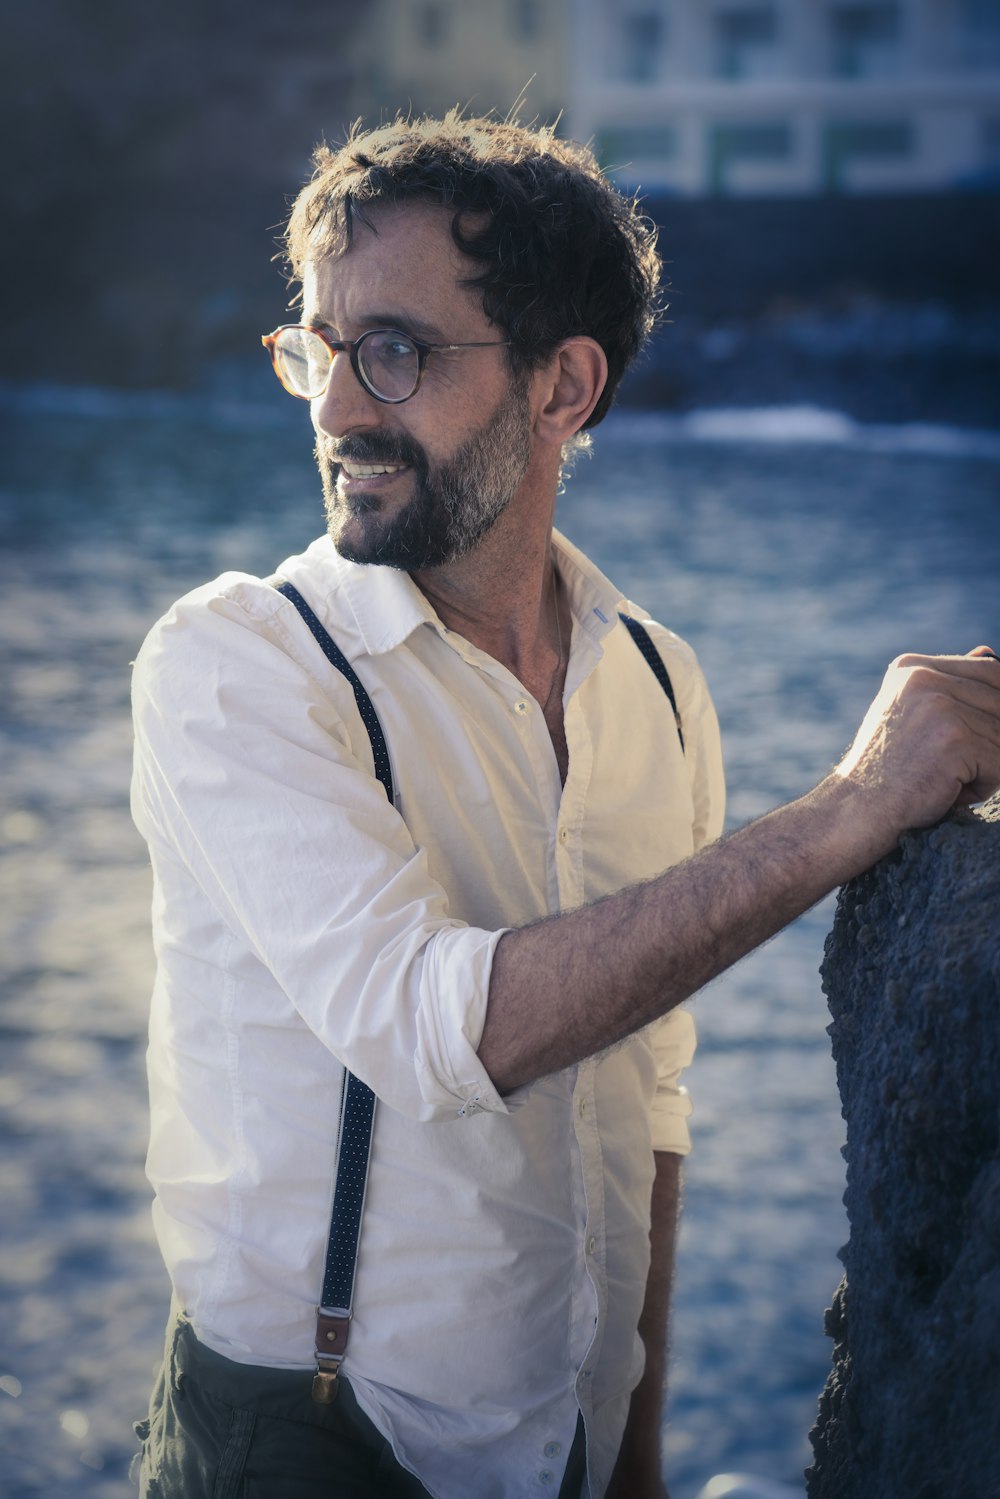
(583, 1108)
(521, 707)
(551, 1449)
(591, 1244)
(563, 834)
(546, 1476)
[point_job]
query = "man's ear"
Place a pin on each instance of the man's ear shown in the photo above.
(570, 384)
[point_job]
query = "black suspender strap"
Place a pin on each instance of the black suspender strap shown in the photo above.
(366, 707)
(357, 1108)
(333, 1315)
(655, 662)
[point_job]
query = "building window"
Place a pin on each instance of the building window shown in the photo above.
(864, 40)
(863, 140)
(526, 20)
(432, 23)
(745, 41)
(765, 142)
(642, 35)
(753, 142)
(622, 147)
(980, 22)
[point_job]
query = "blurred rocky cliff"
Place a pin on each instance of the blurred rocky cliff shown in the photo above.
(912, 974)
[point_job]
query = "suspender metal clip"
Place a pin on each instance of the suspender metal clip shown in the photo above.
(324, 1385)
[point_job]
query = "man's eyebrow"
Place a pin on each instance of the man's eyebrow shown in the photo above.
(404, 322)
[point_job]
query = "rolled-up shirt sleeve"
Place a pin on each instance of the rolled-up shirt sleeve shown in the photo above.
(249, 778)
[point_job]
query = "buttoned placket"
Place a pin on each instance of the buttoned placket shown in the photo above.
(546, 1463)
(588, 1293)
(591, 1218)
(590, 1302)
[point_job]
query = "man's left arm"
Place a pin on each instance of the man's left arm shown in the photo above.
(637, 1473)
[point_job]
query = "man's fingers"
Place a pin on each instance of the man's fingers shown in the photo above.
(972, 680)
(931, 739)
(986, 747)
(977, 737)
(975, 664)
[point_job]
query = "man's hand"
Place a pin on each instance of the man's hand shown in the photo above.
(568, 987)
(930, 741)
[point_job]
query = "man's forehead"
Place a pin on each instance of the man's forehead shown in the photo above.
(387, 231)
(407, 248)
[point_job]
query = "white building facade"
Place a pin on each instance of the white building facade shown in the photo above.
(484, 55)
(789, 97)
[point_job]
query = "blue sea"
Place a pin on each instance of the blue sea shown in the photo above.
(796, 549)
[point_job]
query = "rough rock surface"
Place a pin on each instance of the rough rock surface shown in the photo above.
(911, 1409)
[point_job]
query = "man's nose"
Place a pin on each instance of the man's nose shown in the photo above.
(345, 405)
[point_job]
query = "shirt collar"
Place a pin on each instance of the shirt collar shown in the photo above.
(384, 604)
(594, 600)
(387, 606)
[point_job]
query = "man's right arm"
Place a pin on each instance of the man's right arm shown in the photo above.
(246, 781)
(570, 986)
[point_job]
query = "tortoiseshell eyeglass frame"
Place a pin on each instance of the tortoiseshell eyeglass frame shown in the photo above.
(353, 347)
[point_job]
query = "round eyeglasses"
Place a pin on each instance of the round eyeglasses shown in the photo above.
(388, 363)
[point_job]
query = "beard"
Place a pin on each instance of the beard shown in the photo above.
(455, 502)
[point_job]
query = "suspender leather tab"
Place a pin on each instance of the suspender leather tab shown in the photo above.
(333, 1326)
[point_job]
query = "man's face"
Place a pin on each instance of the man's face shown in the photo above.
(448, 461)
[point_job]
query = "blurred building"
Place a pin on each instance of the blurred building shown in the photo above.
(427, 55)
(789, 97)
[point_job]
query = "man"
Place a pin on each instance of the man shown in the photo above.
(497, 953)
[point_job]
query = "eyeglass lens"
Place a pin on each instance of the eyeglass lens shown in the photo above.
(389, 363)
(304, 361)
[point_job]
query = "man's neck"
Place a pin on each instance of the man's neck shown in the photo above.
(505, 598)
(501, 595)
(529, 633)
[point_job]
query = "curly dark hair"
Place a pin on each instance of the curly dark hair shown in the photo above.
(563, 251)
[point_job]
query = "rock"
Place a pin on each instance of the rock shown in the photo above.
(911, 1409)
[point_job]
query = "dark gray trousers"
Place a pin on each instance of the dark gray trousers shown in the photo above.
(222, 1430)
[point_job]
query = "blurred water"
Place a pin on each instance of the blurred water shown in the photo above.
(796, 551)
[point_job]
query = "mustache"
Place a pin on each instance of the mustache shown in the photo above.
(372, 447)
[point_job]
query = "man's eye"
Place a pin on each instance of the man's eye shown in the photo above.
(398, 348)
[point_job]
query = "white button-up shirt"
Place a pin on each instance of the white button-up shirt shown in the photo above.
(302, 924)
